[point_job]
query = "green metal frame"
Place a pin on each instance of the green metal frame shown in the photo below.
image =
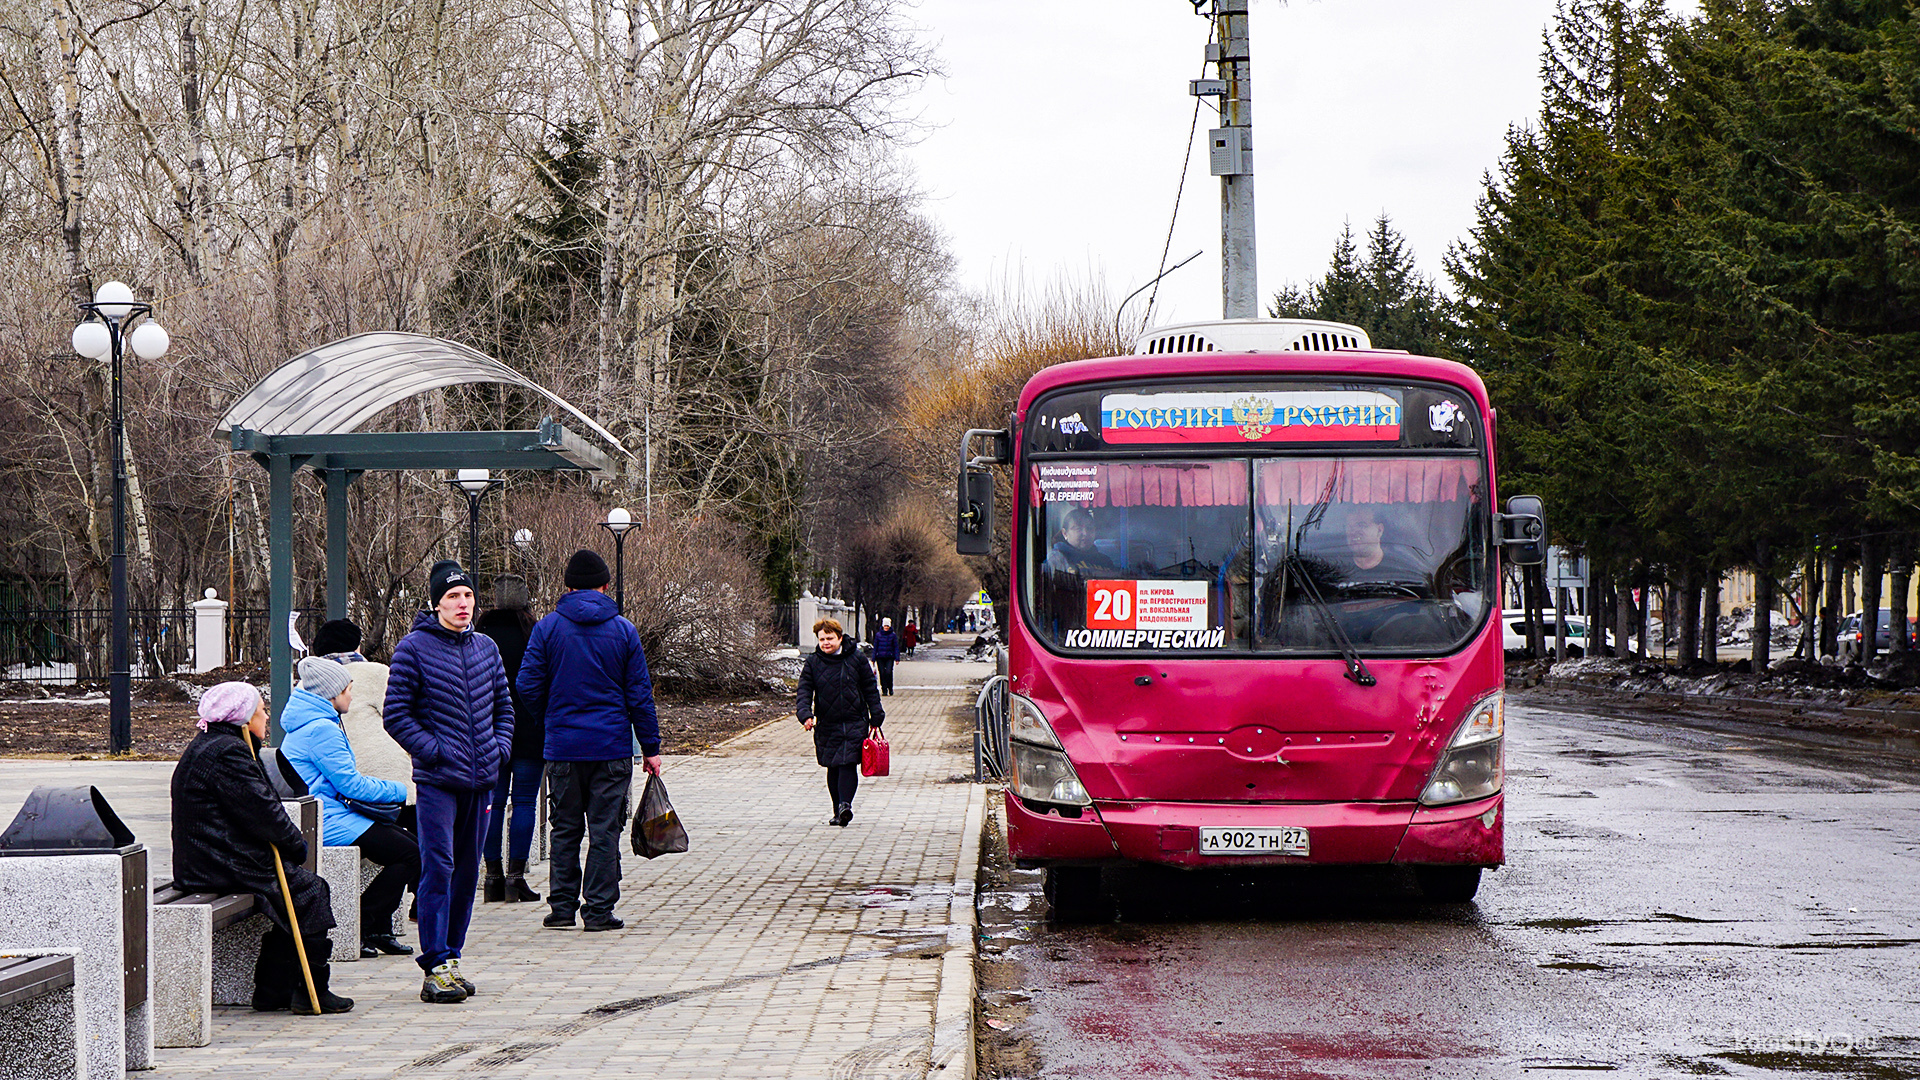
(339, 460)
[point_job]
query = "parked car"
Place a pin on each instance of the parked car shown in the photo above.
(1851, 633)
(1513, 632)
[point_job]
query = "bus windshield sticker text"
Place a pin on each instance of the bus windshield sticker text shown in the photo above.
(1068, 483)
(1146, 639)
(1251, 416)
(1146, 605)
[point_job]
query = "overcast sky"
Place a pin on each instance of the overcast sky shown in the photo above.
(1061, 126)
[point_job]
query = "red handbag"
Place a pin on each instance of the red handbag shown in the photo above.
(874, 756)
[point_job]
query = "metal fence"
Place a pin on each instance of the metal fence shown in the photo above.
(67, 646)
(248, 630)
(991, 734)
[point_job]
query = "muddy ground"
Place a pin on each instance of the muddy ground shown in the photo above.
(76, 727)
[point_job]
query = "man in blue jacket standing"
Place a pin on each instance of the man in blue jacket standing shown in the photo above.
(584, 669)
(448, 707)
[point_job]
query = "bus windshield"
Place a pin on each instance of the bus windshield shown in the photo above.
(1283, 555)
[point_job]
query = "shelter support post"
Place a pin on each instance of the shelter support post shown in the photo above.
(337, 481)
(280, 469)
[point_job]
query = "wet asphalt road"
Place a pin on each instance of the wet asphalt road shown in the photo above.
(1677, 902)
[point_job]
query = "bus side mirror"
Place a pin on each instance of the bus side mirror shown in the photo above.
(1523, 531)
(973, 532)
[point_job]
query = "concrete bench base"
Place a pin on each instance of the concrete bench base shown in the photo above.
(340, 866)
(40, 1019)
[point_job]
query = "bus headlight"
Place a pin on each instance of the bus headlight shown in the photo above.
(1474, 764)
(1041, 771)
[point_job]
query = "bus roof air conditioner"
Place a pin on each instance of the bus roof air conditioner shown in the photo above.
(1251, 335)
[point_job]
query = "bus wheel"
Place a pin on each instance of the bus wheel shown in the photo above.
(1074, 894)
(1448, 884)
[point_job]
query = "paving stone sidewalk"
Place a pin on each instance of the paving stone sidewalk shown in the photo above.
(778, 946)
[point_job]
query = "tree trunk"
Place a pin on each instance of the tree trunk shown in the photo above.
(1762, 608)
(1600, 613)
(1902, 548)
(1689, 618)
(1830, 610)
(1645, 622)
(1628, 617)
(1872, 567)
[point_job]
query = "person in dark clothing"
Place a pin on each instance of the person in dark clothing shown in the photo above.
(586, 673)
(839, 701)
(448, 706)
(910, 637)
(886, 650)
(227, 825)
(509, 623)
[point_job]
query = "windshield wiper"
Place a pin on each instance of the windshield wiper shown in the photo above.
(1356, 667)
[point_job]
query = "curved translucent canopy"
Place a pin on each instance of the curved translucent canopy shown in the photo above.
(336, 387)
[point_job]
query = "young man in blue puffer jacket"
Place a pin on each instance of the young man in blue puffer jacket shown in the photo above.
(317, 747)
(448, 707)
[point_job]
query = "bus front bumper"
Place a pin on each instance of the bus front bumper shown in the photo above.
(1168, 834)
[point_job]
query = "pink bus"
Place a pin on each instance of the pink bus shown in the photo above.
(1254, 615)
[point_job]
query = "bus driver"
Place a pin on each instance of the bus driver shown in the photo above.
(1075, 553)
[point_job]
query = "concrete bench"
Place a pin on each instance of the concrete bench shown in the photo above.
(186, 928)
(39, 1018)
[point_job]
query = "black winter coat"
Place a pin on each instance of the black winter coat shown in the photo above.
(840, 692)
(226, 823)
(505, 627)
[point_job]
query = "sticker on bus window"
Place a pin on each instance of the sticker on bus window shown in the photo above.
(1251, 416)
(1146, 605)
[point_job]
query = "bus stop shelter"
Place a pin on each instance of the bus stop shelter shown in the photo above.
(303, 416)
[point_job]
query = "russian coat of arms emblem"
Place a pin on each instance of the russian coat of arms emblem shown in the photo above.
(1254, 416)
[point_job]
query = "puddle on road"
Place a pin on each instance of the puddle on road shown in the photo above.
(931, 897)
(1574, 965)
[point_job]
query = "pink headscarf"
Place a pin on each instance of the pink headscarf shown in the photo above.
(228, 703)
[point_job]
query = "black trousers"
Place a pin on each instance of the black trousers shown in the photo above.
(398, 853)
(276, 973)
(587, 798)
(885, 664)
(842, 782)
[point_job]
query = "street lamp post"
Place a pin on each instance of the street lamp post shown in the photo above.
(474, 483)
(618, 522)
(113, 306)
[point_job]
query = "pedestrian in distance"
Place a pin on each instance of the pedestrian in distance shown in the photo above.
(886, 650)
(317, 747)
(585, 672)
(448, 705)
(839, 701)
(910, 637)
(509, 623)
(227, 826)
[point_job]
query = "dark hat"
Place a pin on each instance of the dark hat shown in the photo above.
(445, 575)
(510, 592)
(336, 636)
(587, 570)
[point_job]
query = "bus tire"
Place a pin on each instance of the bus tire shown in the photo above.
(1448, 884)
(1074, 895)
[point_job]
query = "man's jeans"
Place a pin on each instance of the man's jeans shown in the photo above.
(592, 798)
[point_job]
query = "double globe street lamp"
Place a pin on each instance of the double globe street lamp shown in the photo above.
(104, 334)
(618, 522)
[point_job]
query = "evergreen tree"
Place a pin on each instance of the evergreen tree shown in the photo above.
(1383, 293)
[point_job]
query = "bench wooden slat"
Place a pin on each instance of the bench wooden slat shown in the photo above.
(23, 978)
(227, 910)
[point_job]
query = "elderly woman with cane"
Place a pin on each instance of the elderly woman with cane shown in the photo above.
(231, 835)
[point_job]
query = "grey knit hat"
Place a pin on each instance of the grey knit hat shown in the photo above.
(319, 675)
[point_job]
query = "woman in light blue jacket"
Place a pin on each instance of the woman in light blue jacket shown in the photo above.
(317, 747)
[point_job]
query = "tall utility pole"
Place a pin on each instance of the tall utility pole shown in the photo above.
(1230, 158)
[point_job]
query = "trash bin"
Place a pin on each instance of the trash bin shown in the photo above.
(56, 822)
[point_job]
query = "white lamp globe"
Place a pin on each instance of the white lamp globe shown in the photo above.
(473, 479)
(92, 340)
(619, 520)
(523, 538)
(150, 340)
(115, 299)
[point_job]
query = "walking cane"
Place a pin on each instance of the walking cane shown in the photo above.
(286, 894)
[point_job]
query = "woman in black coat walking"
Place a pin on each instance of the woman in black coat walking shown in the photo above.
(839, 701)
(227, 824)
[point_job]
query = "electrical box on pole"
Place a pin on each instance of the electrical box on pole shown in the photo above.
(1230, 157)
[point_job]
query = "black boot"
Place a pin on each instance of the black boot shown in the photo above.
(318, 950)
(274, 972)
(845, 814)
(494, 888)
(516, 890)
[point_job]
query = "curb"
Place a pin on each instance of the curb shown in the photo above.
(952, 1053)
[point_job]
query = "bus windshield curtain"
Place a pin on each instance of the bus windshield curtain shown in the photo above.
(1197, 483)
(1365, 480)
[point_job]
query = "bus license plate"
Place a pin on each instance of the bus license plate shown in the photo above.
(1282, 841)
